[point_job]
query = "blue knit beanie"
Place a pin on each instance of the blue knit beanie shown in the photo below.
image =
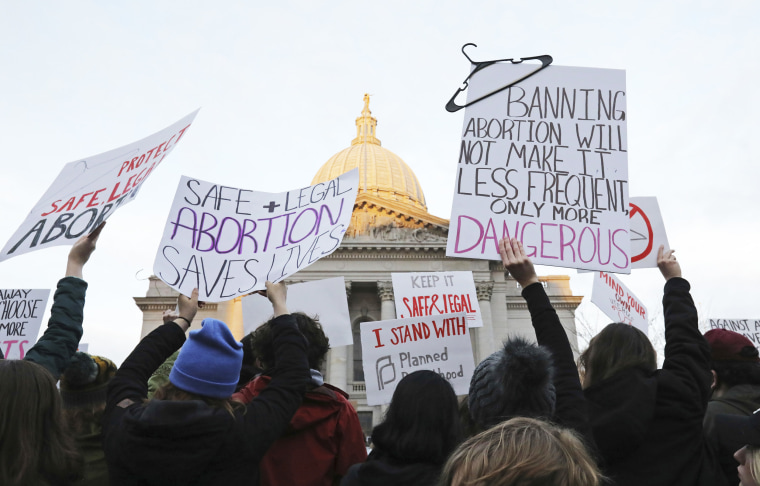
(209, 362)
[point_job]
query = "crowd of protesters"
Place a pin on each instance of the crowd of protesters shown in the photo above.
(206, 409)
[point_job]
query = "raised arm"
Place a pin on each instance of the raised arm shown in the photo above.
(130, 384)
(270, 412)
(687, 354)
(61, 339)
(571, 407)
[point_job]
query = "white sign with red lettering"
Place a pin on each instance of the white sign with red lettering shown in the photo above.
(392, 349)
(88, 191)
(431, 293)
(325, 299)
(617, 302)
(21, 312)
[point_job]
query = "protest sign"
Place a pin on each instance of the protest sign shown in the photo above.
(227, 242)
(544, 161)
(21, 312)
(432, 293)
(617, 302)
(392, 349)
(647, 232)
(325, 299)
(88, 191)
(749, 328)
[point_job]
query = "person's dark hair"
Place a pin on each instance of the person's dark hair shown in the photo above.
(168, 391)
(617, 347)
(261, 342)
(36, 447)
(732, 373)
(422, 422)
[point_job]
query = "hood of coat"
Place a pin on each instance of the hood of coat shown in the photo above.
(320, 404)
(159, 432)
(621, 409)
(382, 469)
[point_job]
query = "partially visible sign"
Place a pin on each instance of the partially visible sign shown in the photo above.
(21, 312)
(227, 242)
(647, 232)
(392, 349)
(430, 293)
(749, 328)
(617, 302)
(88, 191)
(325, 299)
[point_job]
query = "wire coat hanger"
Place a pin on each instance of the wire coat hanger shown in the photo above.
(452, 106)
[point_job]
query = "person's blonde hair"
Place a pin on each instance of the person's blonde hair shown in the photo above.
(752, 459)
(522, 452)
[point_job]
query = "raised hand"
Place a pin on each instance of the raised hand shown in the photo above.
(666, 262)
(81, 251)
(187, 307)
(277, 293)
(516, 262)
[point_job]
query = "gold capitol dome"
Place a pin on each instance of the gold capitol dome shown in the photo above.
(389, 192)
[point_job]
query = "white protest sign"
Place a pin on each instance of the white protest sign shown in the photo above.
(617, 302)
(227, 242)
(544, 161)
(88, 191)
(647, 232)
(21, 312)
(431, 293)
(392, 349)
(325, 299)
(749, 328)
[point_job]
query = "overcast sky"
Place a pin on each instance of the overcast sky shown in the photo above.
(280, 85)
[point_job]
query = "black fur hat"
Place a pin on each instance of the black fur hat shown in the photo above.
(85, 380)
(517, 380)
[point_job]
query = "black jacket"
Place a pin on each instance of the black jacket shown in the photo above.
(382, 469)
(648, 425)
(189, 442)
(571, 409)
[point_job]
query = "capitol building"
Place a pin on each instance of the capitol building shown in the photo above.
(391, 231)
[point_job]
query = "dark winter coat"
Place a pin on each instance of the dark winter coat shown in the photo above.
(189, 442)
(737, 400)
(648, 424)
(382, 469)
(571, 409)
(58, 344)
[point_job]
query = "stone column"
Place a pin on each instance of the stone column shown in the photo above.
(486, 344)
(387, 304)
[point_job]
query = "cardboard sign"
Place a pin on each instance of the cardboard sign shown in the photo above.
(433, 293)
(325, 299)
(749, 328)
(227, 241)
(393, 349)
(546, 162)
(88, 191)
(617, 302)
(21, 312)
(647, 232)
